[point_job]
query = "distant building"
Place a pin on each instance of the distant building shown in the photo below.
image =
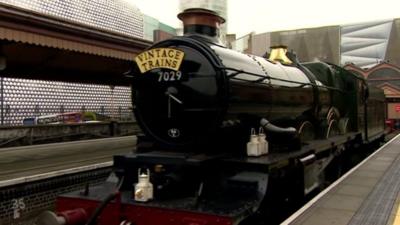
(220, 6)
(25, 98)
(309, 44)
(244, 44)
(387, 77)
(364, 44)
(156, 31)
(230, 38)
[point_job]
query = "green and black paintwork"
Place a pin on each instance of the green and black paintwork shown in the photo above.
(226, 93)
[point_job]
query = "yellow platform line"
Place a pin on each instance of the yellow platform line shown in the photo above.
(397, 217)
(397, 220)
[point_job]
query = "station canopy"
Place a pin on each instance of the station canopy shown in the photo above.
(45, 45)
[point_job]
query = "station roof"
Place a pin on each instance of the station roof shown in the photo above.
(38, 46)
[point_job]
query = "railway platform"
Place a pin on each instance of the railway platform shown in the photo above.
(367, 194)
(32, 176)
(29, 161)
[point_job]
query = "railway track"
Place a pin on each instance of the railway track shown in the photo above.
(30, 160)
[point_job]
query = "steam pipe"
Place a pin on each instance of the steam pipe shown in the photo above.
(288, 132)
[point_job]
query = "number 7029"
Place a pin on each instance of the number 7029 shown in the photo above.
(169, 76)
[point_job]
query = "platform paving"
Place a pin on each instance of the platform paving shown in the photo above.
(368, 195)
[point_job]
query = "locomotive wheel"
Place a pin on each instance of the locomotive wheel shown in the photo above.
(343, 125)
(306, 132)
(333, 129)
(332, 114)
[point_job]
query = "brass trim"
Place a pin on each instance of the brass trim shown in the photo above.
(278, 54)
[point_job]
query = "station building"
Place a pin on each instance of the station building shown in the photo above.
(81, 49)
(363, 44)
(387, 77)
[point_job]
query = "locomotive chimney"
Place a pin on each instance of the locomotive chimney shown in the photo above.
(202, 22)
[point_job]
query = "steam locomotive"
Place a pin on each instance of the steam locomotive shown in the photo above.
(198, 104)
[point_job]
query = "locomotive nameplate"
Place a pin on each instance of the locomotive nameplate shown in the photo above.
(159, 58)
